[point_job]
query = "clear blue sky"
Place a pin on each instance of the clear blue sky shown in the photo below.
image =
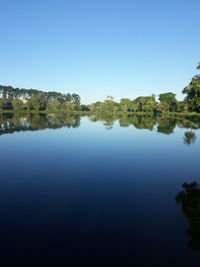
(124, 48)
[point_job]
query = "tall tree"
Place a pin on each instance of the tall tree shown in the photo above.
(1, 104)
(17, 104)
(192, 92)
(37, 101)
(125, 105)
(168, 101)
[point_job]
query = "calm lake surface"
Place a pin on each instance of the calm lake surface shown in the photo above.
(92, 191)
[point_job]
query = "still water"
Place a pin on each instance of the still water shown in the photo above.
(92, 191)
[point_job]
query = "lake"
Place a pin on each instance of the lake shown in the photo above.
(99, 191)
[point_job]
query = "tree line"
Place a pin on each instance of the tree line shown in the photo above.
(31, 99)
(148, 104)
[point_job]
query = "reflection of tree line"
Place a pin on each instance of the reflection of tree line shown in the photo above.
(164, 125)
(32, 122)
(139, 122)
(108, 119)
(15, 122)
(189, 199)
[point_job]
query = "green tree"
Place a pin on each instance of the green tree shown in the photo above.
(192, 92)
(17, 104)
(37, 99)
(150, 104)
(107, 107)
(169, 101)
(144, 104)
(139, 103)
(69, 107)
(1, 104)
(126, 105)
(76, 101)
(37, 102)
(54, 105)
(182, 106)
(110, 98)
(163, 107)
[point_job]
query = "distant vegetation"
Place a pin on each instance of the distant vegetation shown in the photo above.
(34, 100)
(147, 104)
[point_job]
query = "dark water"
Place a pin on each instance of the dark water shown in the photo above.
(98, 191)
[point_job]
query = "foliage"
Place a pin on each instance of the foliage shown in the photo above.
(70, 107)
(17, 104)
(193, 93)
(144, 104)
(1, 103)
(53, 105)
(181, 106)
(109, 106)
(141, 104)
(168, 102)
(37, 102)
(33, 99)
(126, 105)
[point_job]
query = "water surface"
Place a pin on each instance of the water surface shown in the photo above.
(96, 191)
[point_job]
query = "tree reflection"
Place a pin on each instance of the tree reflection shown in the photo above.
(144, 122)
(16, 122)
(189, 138)
(166, 125)
(189, 199)
(191, 122)
(107, 119)
(34, 121)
